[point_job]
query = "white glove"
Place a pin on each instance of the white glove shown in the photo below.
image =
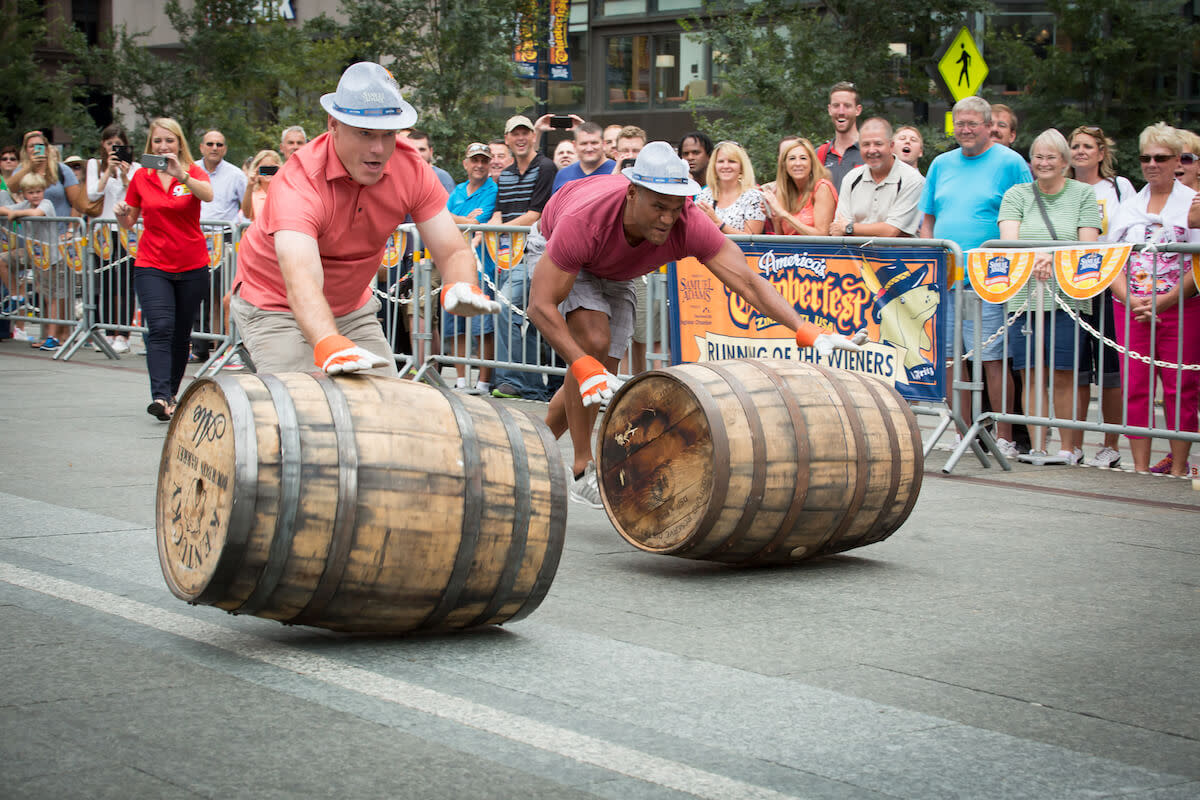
(467, 300)
(826, 343)
(337, 354)
(596, 384)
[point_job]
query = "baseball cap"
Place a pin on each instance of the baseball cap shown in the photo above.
(368, 96)
(479, 149)
(659, 169)
(516, 122)
(73, 160)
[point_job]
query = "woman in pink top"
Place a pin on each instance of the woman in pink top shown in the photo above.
(262, 169)
(804, 198)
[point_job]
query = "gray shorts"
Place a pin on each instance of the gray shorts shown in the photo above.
(642, 311)
(615, 298)
(276, 343)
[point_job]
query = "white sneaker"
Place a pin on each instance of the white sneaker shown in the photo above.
(586, 491)
(233, 362)
(19, 335)
(1106, 457)
(120, 344)
(1007, 448)
(1071, 457)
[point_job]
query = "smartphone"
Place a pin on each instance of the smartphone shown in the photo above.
(268, 169)
(561, 121)
(153, 162)
(39, 149)
(123, 152)
(626, 162)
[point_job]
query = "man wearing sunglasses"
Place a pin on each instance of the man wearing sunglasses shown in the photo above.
(228, 182)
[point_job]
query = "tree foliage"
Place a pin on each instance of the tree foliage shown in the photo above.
(239, 67)
(31, 99)
(453, 58)
(1115, 64)
(775, 61)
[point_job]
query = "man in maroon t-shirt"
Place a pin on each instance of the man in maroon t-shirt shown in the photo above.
(597, 236)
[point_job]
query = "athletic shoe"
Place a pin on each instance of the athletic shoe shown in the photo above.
(1162, 467)
(1070, 457)
(507, 391)
(50, 345)
(1007, 448)
(19, 335)
(586, 491)
(120, 344)
(1106, 457)
(480, 389)
(233, 362)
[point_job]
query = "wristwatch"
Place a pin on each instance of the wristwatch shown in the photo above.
(849, 228)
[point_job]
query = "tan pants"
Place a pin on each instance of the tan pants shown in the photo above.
(276, 343)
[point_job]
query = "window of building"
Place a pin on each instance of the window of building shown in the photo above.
(656, 71)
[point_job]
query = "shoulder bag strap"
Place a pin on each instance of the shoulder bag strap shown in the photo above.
(1037, 195)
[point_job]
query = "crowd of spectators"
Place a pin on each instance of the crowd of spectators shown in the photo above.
(863, 181)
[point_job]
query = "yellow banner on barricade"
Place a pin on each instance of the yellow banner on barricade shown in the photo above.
(997, 275)
(38, 252)
(129, 239)
(215, 241)
(71, 248)
(8, 239)
(1085, 272)
(394, 249)
(506, 249)
(102, 241)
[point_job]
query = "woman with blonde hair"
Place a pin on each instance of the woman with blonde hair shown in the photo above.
(730, 199)
(1154, 302)
(62, 187)
(1093, 161)
(1188, 172)
(804, 198)
(170, 273)
(262, 170)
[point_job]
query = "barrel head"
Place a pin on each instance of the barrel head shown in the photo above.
(656, 462)
(195, 490)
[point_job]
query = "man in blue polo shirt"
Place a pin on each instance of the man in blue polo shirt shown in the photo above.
(961, 202)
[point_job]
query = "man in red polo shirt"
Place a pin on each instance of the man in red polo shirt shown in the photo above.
(593, 238)
(306, 267)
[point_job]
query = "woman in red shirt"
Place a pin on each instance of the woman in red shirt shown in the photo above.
(170, 272)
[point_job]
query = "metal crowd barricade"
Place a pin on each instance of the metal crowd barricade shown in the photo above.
(947, 412)
(43, 273)
(1038, 317)
(109, 303)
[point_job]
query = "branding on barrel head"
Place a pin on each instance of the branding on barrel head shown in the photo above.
(192, 525)
(210, 425)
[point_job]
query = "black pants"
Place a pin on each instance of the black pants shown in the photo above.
(170, 302)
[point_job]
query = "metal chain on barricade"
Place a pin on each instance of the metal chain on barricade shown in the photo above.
(1007, 324)
(1122, 350)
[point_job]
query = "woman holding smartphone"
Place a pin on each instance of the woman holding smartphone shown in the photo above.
(170, 273)
(262, 169)
(108, 177)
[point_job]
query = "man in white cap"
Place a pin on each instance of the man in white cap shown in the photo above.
(307, 265)
(593, 239)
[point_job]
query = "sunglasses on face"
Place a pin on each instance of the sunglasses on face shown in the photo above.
(1157, 158)
(214, 144)
(1188, 158)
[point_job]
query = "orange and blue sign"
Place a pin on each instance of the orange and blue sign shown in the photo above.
(898, 295)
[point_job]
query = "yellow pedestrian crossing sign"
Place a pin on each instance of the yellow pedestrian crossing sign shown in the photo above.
(961, 67)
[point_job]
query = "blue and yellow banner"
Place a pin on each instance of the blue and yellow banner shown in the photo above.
(896, 294)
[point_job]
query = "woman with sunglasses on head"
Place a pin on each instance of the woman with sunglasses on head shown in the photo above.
(730, 199)
(1155, 302)
(804, 199)
(1188, 171)
(170, 274)
(1093, 162)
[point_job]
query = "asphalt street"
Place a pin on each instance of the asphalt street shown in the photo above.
(1031, 634)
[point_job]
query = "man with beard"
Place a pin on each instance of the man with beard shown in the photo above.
(841, 154)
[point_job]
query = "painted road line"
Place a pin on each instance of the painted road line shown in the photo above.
(523, 730)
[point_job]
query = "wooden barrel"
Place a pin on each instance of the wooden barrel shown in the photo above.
(358, 503)
(757, 461)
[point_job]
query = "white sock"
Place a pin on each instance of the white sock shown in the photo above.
(461, 383)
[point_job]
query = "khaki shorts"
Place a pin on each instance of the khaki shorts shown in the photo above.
(276, 343)
(614, 298)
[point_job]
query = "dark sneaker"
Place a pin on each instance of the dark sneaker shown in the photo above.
(507, 391)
